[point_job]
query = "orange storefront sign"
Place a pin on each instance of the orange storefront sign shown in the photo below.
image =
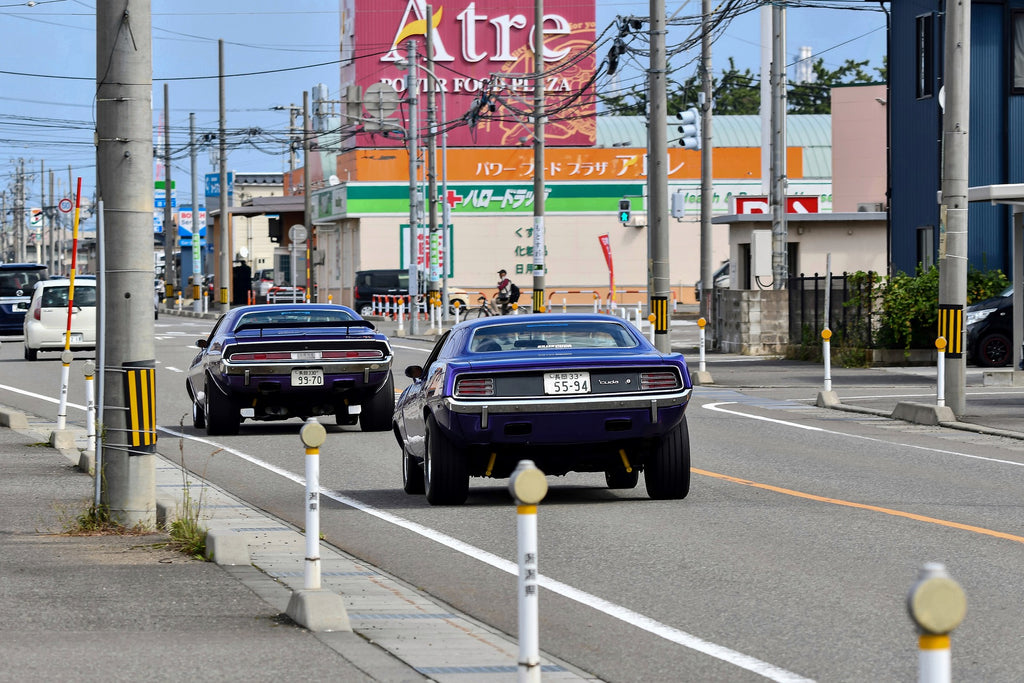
(496, 164)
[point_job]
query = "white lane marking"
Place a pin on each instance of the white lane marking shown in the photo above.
(173, 369)
(613, 610)
(39, 396)
(409, 348)
(716, 407)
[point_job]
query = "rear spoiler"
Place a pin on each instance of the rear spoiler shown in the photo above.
(326, 323)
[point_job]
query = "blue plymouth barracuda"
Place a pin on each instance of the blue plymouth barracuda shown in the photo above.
(573, 393)
(274, 362)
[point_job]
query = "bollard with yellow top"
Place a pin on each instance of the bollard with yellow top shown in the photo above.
(528, 487)
(651, 318)
(937, 605)
(940, 380)
(701, 374)
(456, 304)
(826, 354)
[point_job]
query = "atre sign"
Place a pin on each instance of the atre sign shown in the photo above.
(750, 204)
(479, 46)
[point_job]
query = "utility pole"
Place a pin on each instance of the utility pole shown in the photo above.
(224, 238)
(307, 203)
(292, 111)
(19, 211)
(539, 244)
(413, 133)
(124, 162)
(170, 276)
(657, 161)
(197, 249)
(780, 229)
(706, 181)
(433, 275)
(52, 259)
(41, 242)
(953, 221)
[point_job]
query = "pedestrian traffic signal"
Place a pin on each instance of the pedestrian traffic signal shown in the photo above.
(624, 210)
(690, 128)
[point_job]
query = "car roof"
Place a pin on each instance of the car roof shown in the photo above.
(541, 319)
(22, 266)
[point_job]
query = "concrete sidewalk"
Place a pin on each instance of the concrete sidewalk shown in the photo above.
(127, 608)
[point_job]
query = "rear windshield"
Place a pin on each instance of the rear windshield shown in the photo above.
(25, 280)
(551, 336)
(296, 317)
(57, 297)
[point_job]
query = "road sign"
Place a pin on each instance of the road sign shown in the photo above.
(213, 184)
(65, 205)
(297, 234)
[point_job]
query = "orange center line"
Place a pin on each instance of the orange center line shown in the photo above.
(862, 506)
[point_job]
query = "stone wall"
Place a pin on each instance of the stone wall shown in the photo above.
(752, 322)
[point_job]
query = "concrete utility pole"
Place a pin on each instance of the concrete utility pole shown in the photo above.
(433, 274)
(953, 210)
(413, 133)
(307, 199)
(197, 249)
(539, 244)
(124, 162)
(780, 228)
(19, 211)
(706, 181)
(41, 242)
(224, 237)
(657, 162)
(51, 261)
(170, 275)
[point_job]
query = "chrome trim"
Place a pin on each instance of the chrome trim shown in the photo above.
(548, 405)
(365, 367)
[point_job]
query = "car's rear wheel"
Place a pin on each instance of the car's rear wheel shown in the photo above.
(994, 350)
(667, 472)
(617, 477)
(198, 416)
(365, 310)
(221, 414)
(412, 474)
(31, 354)
(446, 478)
(378, 411)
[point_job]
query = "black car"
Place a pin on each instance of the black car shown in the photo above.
(371, 283)
(990, 330)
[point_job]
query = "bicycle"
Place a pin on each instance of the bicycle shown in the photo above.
(485, 309)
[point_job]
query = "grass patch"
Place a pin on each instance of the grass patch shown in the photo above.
(97, 521)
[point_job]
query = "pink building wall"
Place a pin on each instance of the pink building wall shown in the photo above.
(858, 147)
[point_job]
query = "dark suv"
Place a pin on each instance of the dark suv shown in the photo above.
(370, 283)
(990, 330)
(17, 280)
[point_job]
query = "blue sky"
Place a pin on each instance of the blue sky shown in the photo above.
(47, 73)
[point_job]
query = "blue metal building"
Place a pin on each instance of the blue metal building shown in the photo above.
(996, 126)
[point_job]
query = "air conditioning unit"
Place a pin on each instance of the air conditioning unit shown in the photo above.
(870, 206)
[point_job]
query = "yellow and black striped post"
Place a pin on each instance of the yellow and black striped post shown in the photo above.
(951, 328)
(140, 389)
(538, 300)
(659, 308)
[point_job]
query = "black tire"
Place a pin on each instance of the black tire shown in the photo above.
(412, 474)
(667, 472)
(31, 354)
(446, 478)
(994, 350)
(222, 417)
(198, 416)
(617, 477)
(378, 411)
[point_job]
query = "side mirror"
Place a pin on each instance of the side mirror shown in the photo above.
(201, 343)
(414, 372)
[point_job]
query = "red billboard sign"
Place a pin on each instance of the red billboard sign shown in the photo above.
(480, 47)
(749, 204)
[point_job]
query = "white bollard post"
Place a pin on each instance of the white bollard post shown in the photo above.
(940, 380)
(651, 318)
(313, 436)
(702, 323)
(595, 303)
(401, 319)
(330, 298)
(206, 302)
(563, 304)
(179, 301)
(937, 604)
(528, 487)
(65, 371)
(826, 353)
(457, 309)
(515, 309)
(90, 406)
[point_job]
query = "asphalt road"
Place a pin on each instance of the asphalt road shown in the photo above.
(790, 559)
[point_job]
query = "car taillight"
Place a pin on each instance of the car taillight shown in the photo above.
(260, 356)
(475, 386)
(353, 354)
(656, 381)
(37, 313)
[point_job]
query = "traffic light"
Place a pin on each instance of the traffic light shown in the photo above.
(624, 210)
(690, 128)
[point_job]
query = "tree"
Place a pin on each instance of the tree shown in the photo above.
(814, 97)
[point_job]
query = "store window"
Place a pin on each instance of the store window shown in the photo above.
(1017, 46)
(925, 55)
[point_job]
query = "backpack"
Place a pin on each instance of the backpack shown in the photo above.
(513, 293)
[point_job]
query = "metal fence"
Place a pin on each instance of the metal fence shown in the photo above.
(849, 315)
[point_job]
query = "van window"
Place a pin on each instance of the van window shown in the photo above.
(20, 279)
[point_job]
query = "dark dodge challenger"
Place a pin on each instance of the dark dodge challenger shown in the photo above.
(274, 362)
(573, 393)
